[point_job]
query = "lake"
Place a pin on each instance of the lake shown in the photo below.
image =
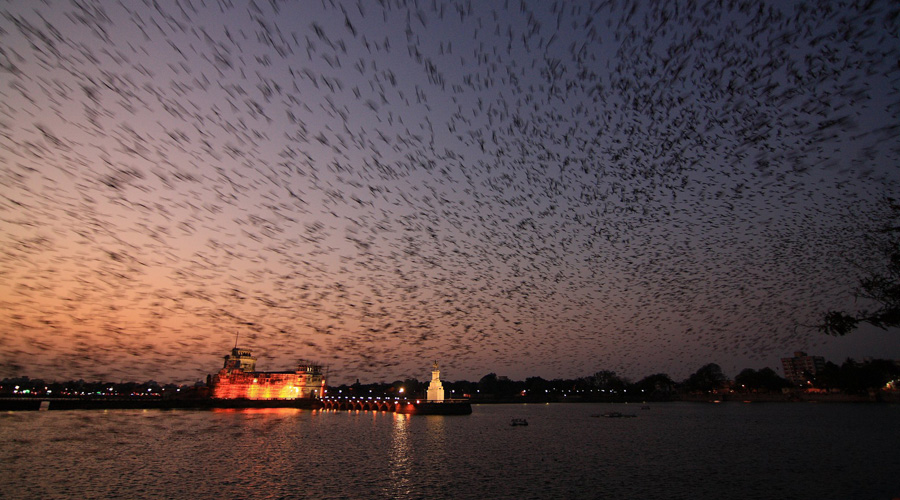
(671, 451)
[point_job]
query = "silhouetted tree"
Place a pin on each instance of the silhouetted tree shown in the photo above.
(413, 388)
(763, 380)
(488, 384)
(653, 384)
(608, 380)
(536, 384)
(829, 377)
(859, 378)
(882, 285)
(460, 388)
(507, 388)
(707, 378)
(854, 377)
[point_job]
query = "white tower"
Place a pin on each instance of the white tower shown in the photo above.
(435, 389)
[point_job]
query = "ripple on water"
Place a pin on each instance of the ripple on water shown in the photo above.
(673, 451)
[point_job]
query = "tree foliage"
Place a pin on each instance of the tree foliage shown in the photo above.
(765, 380)
(488, 383)
(536, 384)
(658, 383)
(881, 286)
(608, 381)
(501, 387)
(707, 378)
(853, 377)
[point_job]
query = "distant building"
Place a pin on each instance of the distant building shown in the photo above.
(238, 379)
(435, 388)
(801, 366)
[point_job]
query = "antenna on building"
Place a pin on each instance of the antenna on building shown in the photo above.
(236, 335)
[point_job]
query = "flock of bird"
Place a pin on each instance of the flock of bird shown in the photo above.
(526, 188)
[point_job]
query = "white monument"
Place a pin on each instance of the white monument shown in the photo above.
(435, 389)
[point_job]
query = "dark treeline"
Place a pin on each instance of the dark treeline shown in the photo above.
(851, 377)
(24, 387)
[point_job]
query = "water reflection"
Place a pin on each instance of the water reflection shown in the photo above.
(437, 453)
(436, 436)
(435, 426)
(400, 458)
(257, 411)
(677, 450)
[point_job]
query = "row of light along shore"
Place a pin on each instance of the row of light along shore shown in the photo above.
(239, 385)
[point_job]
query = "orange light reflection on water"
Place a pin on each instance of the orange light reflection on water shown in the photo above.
(277, 411)
(399, 457)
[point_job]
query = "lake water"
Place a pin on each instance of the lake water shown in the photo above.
(671, 451)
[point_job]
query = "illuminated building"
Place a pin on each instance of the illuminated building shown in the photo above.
(435, 388)
(239, 380)
(801, 366)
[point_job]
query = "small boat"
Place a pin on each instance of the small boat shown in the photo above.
(518, 421)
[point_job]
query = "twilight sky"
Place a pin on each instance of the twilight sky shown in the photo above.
(526, 188)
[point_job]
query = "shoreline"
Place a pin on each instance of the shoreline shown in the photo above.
(58, 404)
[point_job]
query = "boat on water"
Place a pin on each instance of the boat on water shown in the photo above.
(518, 422)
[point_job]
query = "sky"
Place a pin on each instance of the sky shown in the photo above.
(525, 188)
